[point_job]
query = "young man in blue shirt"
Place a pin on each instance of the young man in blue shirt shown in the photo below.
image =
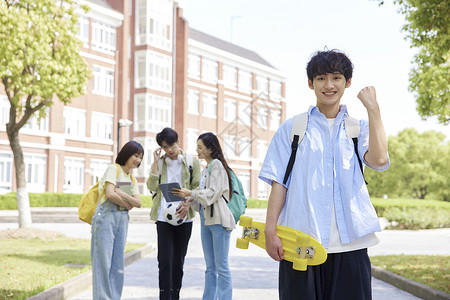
(326, 195)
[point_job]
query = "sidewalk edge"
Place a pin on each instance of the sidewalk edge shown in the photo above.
(413, 287)
(82, 282)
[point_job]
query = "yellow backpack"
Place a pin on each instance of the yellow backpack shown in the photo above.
(89, 202)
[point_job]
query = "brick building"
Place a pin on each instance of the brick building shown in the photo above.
(150, 71)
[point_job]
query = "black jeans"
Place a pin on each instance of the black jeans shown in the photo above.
(172, 247)
(344, 276)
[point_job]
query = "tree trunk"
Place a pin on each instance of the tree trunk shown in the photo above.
(23, 201)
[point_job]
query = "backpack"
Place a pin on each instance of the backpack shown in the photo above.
(298, 130)
(89, 201)
(238, 201)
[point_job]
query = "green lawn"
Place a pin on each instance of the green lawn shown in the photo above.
(432, 270)
(30, 266)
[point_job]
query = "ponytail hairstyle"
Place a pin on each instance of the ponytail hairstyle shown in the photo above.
(211, 142)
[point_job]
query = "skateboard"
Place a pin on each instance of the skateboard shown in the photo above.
(299, 248)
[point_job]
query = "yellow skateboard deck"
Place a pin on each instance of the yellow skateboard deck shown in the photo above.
(299, 248)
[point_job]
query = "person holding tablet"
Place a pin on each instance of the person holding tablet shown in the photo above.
(173, 166)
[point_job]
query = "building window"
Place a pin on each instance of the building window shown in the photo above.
(245, 81)
(103, 37)
(194, 65)
(4, 110)
(152, 112)
(245, 180)
(230, 77)
(73, 175)
(101, 126)
(261, 150)
(74, 122)
(262, 117)
(6, 163)
(103, 81)
(193, 100)
(150, 145)
(229, 145)
(229, 110)
(35, 173)
(275, 90)
(275, 119)
(34, 124)
(262, 190)
(154, 71)
(245, 113)
(154, 24)
(262, 84)
(210, 70)
(83, 30)
(245, 148)
(192, 136)
(98, 168)
(209, 106)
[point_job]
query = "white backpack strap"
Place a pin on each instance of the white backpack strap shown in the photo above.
(299, 126)
(351, 126)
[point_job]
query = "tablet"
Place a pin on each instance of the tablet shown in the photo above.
(167, 188)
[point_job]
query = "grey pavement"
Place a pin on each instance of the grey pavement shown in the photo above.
(254, 274)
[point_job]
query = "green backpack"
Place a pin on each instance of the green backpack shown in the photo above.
(238, 201)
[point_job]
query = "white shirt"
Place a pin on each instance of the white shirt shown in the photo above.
(173, 175)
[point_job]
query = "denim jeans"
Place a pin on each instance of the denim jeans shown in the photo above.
(216, 244)
(109, 234)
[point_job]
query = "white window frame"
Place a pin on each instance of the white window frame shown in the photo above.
(103, 37)
(153, 24)
(229, 146)
(6, 172)
(210, 70)
(193, 102)
(74, 122)
(153, 70)
(98, 168)
(34, 125)
(152, 112)
(35, 172)
(261, 120)
(5, 106)
(194, 65)
(275, 119)
(245, 148)
(230, 77)
(73, 174)
(245, 81)
(245, 180)
(229, 112)
(261, 150)
(192, 136)
(101, 126)
(83, 30)
(275, 90)
(103, 81)
(262, 84)
(209, 106)
(245, 113)
(150, 145)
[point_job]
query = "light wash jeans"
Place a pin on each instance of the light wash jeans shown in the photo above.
(216, 244)
(109, 234)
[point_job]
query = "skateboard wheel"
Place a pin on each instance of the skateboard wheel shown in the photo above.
(303, 239)
(242, 243)
(300, 264)
(245, 221)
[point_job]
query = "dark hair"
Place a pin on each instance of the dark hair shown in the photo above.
(329, 61)
(167, 135)
(211, 142)
(128, 150)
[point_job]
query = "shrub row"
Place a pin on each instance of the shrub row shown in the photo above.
(401, 213)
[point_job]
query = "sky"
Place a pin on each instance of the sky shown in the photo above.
(287, 32)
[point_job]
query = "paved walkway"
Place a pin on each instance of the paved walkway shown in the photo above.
(254, 274)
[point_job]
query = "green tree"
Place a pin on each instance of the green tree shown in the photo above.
(427, 27)
(40, 61)
(419, 166)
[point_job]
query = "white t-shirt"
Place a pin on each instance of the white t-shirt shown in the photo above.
(335, 240)
(111, 176)
(173, 175)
